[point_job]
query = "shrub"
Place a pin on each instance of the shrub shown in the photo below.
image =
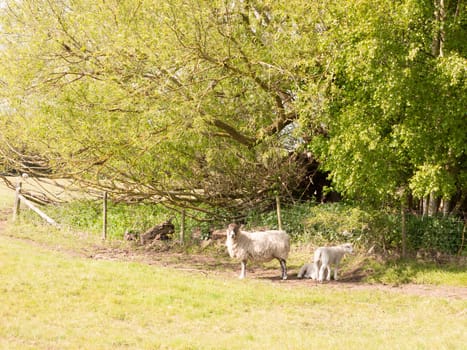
(86, 215)
(338, 222)
(293, 219)
(381, 229)
(434, 234)
(320, 223)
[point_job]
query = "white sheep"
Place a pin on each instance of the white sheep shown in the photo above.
(259, 246)
(327, 256)
(307, 271)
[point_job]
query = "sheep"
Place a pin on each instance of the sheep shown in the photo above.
(327, 256)
(258, 246)
(308, 270)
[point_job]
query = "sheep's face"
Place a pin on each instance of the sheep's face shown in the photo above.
(348, 248)
(232, 231)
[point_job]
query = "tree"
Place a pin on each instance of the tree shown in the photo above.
(183, 101)
(207, 104)
(394, 112)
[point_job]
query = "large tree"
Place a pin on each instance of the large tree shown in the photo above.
(197, 101)
(395, 106)
(182, 100)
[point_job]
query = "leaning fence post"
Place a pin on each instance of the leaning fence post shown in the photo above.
(17, 201)
(104, 216)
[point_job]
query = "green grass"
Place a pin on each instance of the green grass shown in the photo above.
(51, 300)
(410, 271)
(7, 196)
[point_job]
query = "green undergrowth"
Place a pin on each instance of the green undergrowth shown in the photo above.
(320, 224)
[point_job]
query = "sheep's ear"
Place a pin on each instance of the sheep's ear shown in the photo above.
(231, 230)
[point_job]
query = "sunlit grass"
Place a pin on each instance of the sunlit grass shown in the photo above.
(411, 271)
(56, 301)
(7, 196)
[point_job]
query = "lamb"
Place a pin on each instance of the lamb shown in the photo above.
(258, 246)
(327, 256)
(307, 271)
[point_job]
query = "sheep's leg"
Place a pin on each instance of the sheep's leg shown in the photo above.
(315, 272)
(335, 274)
(328, 277)
(284, 268)
(302, 273)
(321, 273)
(243, 272)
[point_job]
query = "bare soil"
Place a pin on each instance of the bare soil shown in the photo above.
(221, 265)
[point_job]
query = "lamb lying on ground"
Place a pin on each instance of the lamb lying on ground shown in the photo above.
(259, 246)
(327, 256)
(308, 271)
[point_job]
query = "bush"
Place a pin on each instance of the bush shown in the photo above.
(293, 219)
(86, 215)
(320, 223)
(434, 234)
(338, 222)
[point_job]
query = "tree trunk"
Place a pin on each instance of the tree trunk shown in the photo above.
(438, 39)
(403, 229)
(404, 200)
(425, 201)
(446, 205)
(433, 205)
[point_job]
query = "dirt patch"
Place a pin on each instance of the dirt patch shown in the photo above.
(226, 267)
(222, 265)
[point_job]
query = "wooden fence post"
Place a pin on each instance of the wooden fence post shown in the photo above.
(278, 209)
(19, 197)
(182, 228)
(462, 239)
(104, 216)
(17, 201)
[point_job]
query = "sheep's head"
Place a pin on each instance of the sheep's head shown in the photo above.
(232, 231)
(347, 248)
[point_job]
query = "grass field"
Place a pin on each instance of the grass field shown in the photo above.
(53, 300)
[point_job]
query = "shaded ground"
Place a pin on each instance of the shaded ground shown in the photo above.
(222, 265)
(208, 265)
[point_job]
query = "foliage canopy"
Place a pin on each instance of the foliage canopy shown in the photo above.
(210, 102)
